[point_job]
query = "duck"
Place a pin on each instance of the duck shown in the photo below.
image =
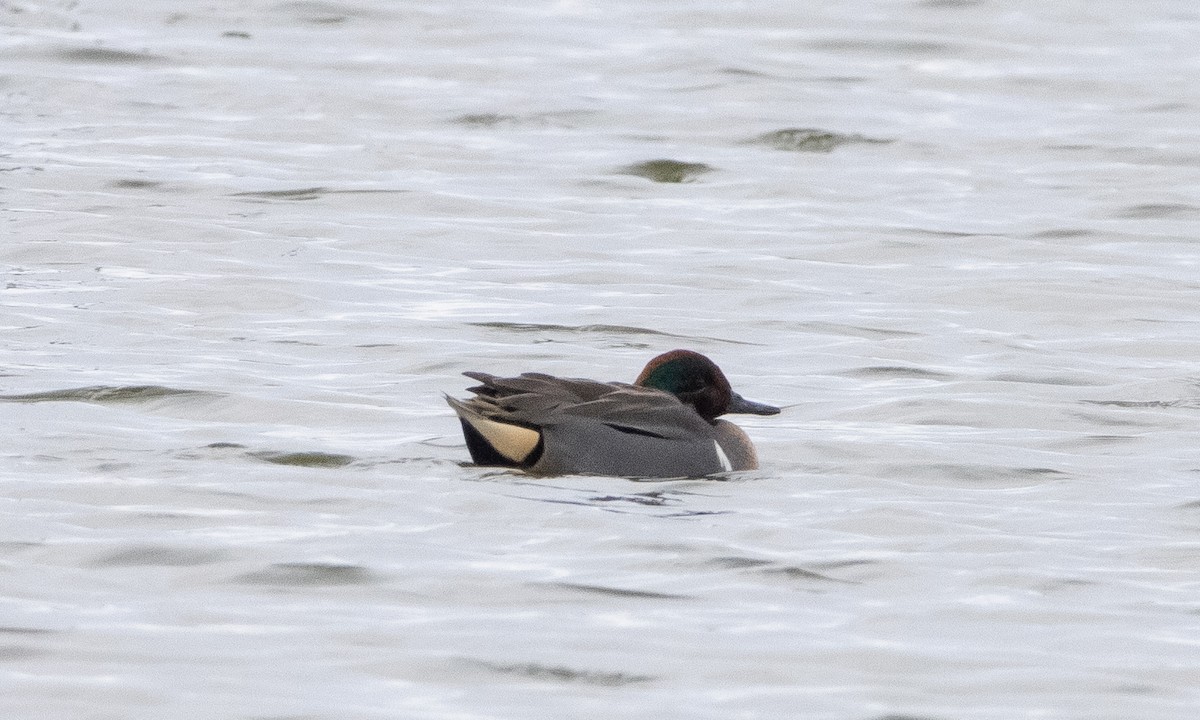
(664, 425)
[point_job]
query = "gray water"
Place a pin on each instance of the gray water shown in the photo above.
(246, 247)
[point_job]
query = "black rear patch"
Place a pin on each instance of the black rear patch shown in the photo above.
(482, 452)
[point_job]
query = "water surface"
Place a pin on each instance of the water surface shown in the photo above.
(248, 247)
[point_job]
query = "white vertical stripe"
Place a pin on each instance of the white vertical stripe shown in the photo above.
(725, 464)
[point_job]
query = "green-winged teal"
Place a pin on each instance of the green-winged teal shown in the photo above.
(664, 425)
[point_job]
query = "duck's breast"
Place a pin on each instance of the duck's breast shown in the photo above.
(737, 446)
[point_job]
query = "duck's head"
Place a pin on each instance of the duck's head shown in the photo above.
(698, 382)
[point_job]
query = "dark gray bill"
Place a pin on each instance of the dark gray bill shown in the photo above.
(739, 404)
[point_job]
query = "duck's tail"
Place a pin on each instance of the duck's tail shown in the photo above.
(495, 442)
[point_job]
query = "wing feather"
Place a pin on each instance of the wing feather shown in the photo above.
(538, 400)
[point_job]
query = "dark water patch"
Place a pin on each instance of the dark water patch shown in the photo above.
(13, 653)
(311, 459)
(1150, 211)
(558, 673)
(811, 140)
(698, 513)
(542, 327)
(241, 34)
(11, 630)
(107, 56)
(897, 371)
(793, 572)
(367, 191)
(618, 592)
(9, 546)
(1186, 403)
(1157, 158)
(225, 446)
(615, 509)
(666, 171)
(136, 184)
(714, 478)
(600, 329)
(308, 574)
(560, 119)
(841, 564)
(1111, 420)
(1111, 438)
(1094, 441)
(1065, 583)
(927, 232)
(108, 394)
(1136, 689)
(301, 343)
(1044, 380)
(1037, 473)
(150, 555)
(486, 120)
(316, 12)
(1190, 505)
(843, 79)
(650, 498)
(309, 193)
(1062, 233)
(1167, 107)
(743, 72)
(986, 475)
(552, 501)
(885, 47)
(871, 333)
(113, 467)
(737, 562)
